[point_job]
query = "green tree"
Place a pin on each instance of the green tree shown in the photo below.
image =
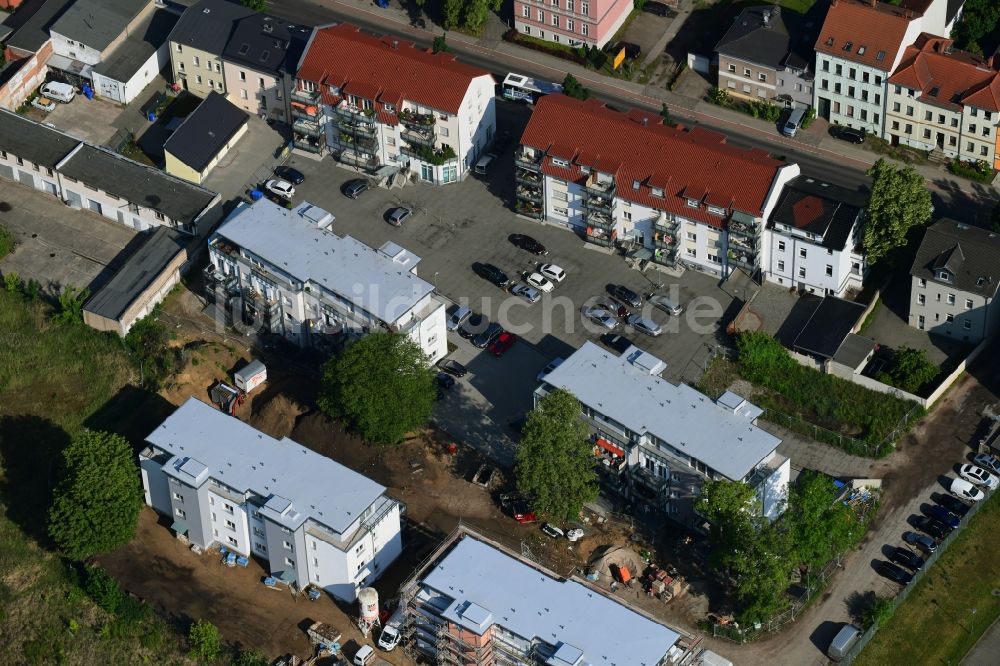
(818, 527)
(247, 657)
(899, 202)
(440, 44)
(206, 642)
(877, 612)
(910, 370)
(149, 342)
(451, 13)
(381, 386)
(475, 14)
(729, 507)
(96, 503)
(665, 114)
(573, 88)
(12, 282)
(6, 242)
(979, 19)
(555, 461)
(71, 302)
(256, 5)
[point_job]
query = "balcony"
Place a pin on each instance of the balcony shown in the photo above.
(743, 225)
(360, 144)
(354, 159)
(305, 111)
(596, 219)
(650, 480)
(525, 177)
(601, 237)
(307, 128)
(665, 257)
(744, 244)
(308, 145)
(418, 121)
(664, 240)
(667, 223)
(528, 161)
(428, 154)
(742, 260)
(355, 118)
(529, 194)
(528, 209)
(601, 188)
(418, 137)
(306, 96)
(599, 204)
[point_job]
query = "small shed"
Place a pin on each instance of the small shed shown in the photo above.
(250, 376)
(204, 138)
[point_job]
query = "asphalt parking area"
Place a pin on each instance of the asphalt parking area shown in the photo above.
(92, 120)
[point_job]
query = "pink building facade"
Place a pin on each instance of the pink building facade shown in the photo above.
(573, 22)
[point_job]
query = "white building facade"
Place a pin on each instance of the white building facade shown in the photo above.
(312, 521)
(298, 279)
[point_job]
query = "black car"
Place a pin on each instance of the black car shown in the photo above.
(926, 544)
(355, 188)
(894, 573)
(848, 134)
(658, 9)
(615, 342)
(473, 326)
(527, 243)
(486, 338)
(944, 515)
(452, 367)
(623, 294)
(293, 176)
(445, 381)
(953, 504)
(932, 527)
(492, 274)
(907, 558)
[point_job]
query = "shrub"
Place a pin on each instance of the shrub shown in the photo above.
(760, 108)
(6, 242)
(206, 642)
(878, 611)
(978, 170)
(720, 97)
(808, 119)
(910, 370)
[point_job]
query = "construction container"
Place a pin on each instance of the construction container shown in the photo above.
(368, 600)
(250, 376)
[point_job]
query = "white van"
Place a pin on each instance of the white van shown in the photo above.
(843, 642)
(794, 121)
(483, 165)
(61, 92)
(365, 656)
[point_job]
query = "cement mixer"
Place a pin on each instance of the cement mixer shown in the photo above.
(368, 617)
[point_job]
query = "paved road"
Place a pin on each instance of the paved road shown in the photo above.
(985, 652)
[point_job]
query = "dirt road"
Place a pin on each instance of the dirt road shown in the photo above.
(910, 476)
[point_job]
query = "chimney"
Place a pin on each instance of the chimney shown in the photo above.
(395, 43)
(767, 17)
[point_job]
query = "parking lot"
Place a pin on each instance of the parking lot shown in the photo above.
(92, 120)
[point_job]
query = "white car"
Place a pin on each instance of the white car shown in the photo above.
(602, 317)
(281, 187)
(553, 531)
(978, 476)
(962, 489)
(987, 462)
(549, 367)
(43, 103)
(647, 326)
(539, 282)
(552, 272)
(529, 294)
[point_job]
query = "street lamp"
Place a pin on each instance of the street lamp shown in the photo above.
(973, 628)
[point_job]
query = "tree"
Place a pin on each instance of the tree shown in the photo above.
(979, 19)
(573, 88)
(451, 12)
(206, 643)
(12, 282)
(71, 302)
(878, 611)
(149, 342)
(440, 44)
(6, 242)
(247, 657)
(728, 506)
(665, 114)
(899, 202)
(256, 5)
(555, 461)
(97, 501)
(381, 386)
(818, 526)
(475, 14)
(910, 370)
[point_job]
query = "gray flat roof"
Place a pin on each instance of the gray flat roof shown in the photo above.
(137, 183)
(33, 141)
(342, 264)
(718, 434)
(487, 586)
(31, 23)
(206, 131)
(207, 25)
(122, 63)
(854, 350)
(97, 23)
(138, 272)
(292, 477)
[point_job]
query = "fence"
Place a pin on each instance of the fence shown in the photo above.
(847, 443)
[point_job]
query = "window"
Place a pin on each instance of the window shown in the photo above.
(585, 28)
(232, 541)
(287, 545)
(826, 65)
(243, 94)
(692, 236)
(922, 283)
(950, 319)
(895, 124)
(968, 304)
(541, 16)
(908, 129)
(840, 70)
(289, 562)
(570, 25)
(975, 112)
(928, 116)
(970, 147)
(258, 532)
(829, 270)
(921, 299)
(228, 507)
(944, 276)
(781, 265)
(180, 513)
(746, 71)
(927, 134)
(909, 110)
(802, 252)
(691, 252)
(954, 122)
(526, 11)
(952, 140)
(983, 150)
(746, 87)
(715, 259)
(864, 75)
(569, 5)
(951, 299)
(231, 525)
(180, 49)
(781, 246)
(895, 106)
(920, 322)
(197, 78)
(732, 67)
(802, 272)
(179, 497)
(555, 20)
(585, 10)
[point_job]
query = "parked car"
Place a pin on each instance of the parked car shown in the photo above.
(517, 507)
(491, 273)
(527, 243)
(658, 9)
(978, 476)
(452, 367)
(848, 134)
(895, 573)
(355, 187)
(932, 527)
(963, 489)
(457, 314)
(623, 294)
(552, 272)
(613, 306)
(549, 367)
(551, 530)
(444, 380)
(365, 656)
(399, 215)
(666, 304)
(987, 462)
(473, 326)
(529, 294)
(926, 544)
(539, 282)
(647, 326)
(503, 343)
(486, 338)
(615, 342)
(907, 558)
(601, 316)
(843, 642)
(293, 176)
(953, 504)
(43, 103)
(282, 188)
(944, 515)
(58, 91)
(389, 637)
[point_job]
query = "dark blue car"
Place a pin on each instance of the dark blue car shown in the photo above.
(944, 515)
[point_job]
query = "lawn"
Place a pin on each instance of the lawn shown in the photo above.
(935, 624)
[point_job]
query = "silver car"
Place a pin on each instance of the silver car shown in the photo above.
(399, 215)
(666, 304)
(529, 294)
(602, 317)
(647, 326)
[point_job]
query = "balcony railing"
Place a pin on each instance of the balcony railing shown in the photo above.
(308, 145)
(354, 159)
(526, 161)
(599, 204)
(664, 240)
(307, 128)
(528, 194)
(742, 259)
(650, 480)
(526, 177)
(305, 96)
(665, 257)
(416, 136)
(667, 223)
(528, 208)
(597, 219)
(363, 120)
(743, 229)
(417, 120)
(599, 236)
(309, 112)
(361, 144)
(603, 188)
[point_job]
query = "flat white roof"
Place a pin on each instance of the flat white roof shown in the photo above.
(294, 242)
(721, 435)
(487, 586)
(296, 482)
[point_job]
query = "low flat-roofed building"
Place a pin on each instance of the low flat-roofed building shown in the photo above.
(205, 137)
(136, 61)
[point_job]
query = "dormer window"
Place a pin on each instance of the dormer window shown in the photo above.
(715, 210)
(861, 50)
(334, 90)
(880, 56)
(556, 161)
(944, 276)
(829, 41)
(390, 108)
(636, 185)
(657, 192)
(584, 169)
(693, 203)
(848, 45)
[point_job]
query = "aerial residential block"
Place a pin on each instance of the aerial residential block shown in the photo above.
(657, 442)
(310, 520)
(297, 278)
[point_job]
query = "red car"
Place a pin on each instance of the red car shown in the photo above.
(504, 342)
(518, 508)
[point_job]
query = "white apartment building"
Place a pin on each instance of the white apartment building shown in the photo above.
(859, 46)
(672, 196)
(309, 519)
(945, 100)
(296, 278)
(815, 236)
(657, 442)
(418, 113)
(98, 179)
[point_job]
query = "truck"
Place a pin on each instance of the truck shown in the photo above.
(250, 376)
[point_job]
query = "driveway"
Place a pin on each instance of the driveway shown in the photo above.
(92, 120)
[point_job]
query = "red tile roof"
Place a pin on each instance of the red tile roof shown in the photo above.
(955, 77)
(637, 146)
(386, 69)
(859, 30)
